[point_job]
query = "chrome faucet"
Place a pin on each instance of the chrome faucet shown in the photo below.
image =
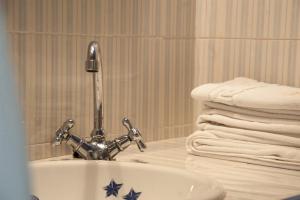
(93, 65)
(97, 147)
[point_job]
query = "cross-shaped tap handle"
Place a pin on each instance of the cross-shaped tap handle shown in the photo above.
(134, 134)
(127, 123)
(63, 131)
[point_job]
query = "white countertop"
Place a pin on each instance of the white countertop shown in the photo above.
(240, 180)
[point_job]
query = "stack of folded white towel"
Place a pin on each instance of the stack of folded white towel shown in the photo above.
(248, 121)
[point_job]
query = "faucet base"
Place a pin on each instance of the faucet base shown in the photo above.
(97, 147)
(97, 132)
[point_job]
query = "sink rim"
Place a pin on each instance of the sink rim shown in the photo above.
(197, 177)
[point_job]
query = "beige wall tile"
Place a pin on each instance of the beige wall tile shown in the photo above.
(297, 66)
(266, 60)
(46, 150)
(263, 19)
(292, 20)
(277, 17)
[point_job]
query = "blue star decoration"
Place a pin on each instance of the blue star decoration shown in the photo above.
(112, 188)
(132, 195)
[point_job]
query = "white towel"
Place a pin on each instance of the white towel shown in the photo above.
(284, 129)
(249, 135)
(248, 93)
(205, 143)
(274, 114)
(250, 118)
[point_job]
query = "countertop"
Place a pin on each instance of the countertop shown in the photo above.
(240, 180)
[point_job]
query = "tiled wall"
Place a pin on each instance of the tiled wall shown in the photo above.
(154, 53)
(259, 39)
(148, 59)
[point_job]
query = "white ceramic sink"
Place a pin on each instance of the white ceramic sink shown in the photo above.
(100, 180)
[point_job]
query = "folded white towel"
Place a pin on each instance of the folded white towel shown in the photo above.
(250, 118)
(248, 93)
(205, 143)
(274, 114)
(250, 136)
(284, 129)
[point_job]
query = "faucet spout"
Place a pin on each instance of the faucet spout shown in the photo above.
(93, 65)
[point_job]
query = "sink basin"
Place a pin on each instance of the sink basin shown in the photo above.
(107, 180)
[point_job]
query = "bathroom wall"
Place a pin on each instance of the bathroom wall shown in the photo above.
(148, 64)
(154, 53)
(259, 39)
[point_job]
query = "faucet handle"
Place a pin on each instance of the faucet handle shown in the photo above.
(63, 131)
(127, 123)
(141, 144)
(67, 125)
(134, 134)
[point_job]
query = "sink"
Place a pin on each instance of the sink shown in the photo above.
(108, 180)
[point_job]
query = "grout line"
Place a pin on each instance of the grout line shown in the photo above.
(177, 126)
(43, 143)
(147, 36)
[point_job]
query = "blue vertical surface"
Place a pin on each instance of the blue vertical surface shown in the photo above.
(13, 166)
